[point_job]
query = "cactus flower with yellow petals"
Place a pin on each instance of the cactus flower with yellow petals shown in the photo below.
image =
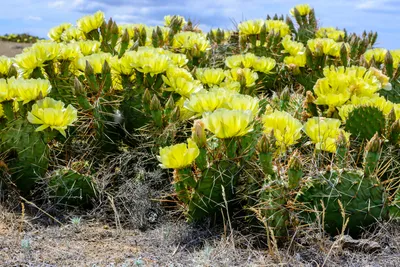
(90, 22)
(52, 114)
(324, 132)
(287, 130)
(178, 156)
(304, 9)
(210, 76)
(27, 90)
(226, 123)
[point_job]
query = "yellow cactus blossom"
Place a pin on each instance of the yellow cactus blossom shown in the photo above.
(88, 47)
(204, 101)
(382, 78)
(46, 50)
(7, 93)
(264, 64)
(150, 61)
(325, 46)
(184, 114)
(330, 32)
(278, 26)
(231, 86)
(176, 59)
(396, 58)
(5, 64)
(227, 34)
(69, 52)
(292, 47)
(56, 32)
(72, 34)
(287, 130)
(244, 76)
(52, 113)
(324, 132)
(178, 156)
(1, 111)
(378, 54)
(210, 76)
(226, 123)
(250, 27)
(123, 65)
(196, 43)
(362, 82)
(95, 60)
(27, 90)
(248, 60)
(304, 9)
(234, 61)
(186, 88)
(168, 20)
(175, 75)
(333, 93)
(90, 22)
(297, 61)
(243, 102)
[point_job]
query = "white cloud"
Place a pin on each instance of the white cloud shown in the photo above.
(56, 4)
(34, 18)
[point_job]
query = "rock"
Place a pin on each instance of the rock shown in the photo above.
(364, 245)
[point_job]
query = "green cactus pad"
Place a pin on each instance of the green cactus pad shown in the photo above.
(70, 187)
(363, 122)
(27, 154)
(363, 200)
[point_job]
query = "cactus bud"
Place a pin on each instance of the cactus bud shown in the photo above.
(344, 55)
(154, 38)
(266, 143)
(297, 16)
(372, 155)
(143, 36)
(199, 134)
(263, 35)
(155, 103)
(295, 171)
(12, 72)
(391, 117)
(114, 28)
(175, 114)
(341, 150)
(289, 22)
(395, 132)
(170, 103)
(146, 99)
(78, 87)
(89, 71)
(105, 68)
(389, 64)
(125, 37)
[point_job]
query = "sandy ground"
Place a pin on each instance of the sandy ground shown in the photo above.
(10, 49)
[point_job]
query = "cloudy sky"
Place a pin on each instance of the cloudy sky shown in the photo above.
(37, 16)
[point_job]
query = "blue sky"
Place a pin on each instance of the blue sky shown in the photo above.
(38, 16)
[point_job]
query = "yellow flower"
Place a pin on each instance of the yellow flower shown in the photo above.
(88, 47)
(46, 50)
(177, 59)
(304, 9)
(27, 90)
(72, 34)
(325, 46)
(56, 32)
(175, 75)
(292, 47)
(5, 92)
(377, 53)
(90, 22)
(69, 52)
(287, 130)
(278, 26)
(330, 32)
(333, 93)
(226, 123)
(234, 61)
(264, 64)
(396, 58)
(5, 64)
(27, 62)
(204, 101)
(231, 86)
(196, 43)
(324, 132)
(382, 78)
(210, 76)
(51, 113)
(150, 60)
(251, 27)
(178, 156)
(297, 61)
(245, 76)
(95, 60)
(242, 102)
(375, 101)
(168, 20)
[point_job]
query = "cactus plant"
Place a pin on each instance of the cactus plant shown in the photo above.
(365, 121)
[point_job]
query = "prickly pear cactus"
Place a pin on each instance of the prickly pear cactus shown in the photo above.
(363, 122)
(27, 152)
(71, 187)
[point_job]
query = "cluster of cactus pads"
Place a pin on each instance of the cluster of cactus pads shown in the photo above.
(286, 122)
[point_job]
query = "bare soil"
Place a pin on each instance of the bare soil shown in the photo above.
(10, 49)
